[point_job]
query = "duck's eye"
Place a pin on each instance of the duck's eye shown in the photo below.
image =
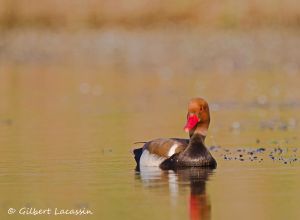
(189, 114)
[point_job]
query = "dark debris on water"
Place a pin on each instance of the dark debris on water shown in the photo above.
(284, 155)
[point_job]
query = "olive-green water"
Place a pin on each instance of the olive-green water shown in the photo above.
(66, 135)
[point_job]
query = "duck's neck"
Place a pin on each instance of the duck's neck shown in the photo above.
(197, 140)
(201, 130)
(196, 146)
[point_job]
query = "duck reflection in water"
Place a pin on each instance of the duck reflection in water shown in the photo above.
(177, 180)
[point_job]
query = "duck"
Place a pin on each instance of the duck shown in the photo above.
(176, 153)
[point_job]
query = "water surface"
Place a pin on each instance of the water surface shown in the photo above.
(66, 135)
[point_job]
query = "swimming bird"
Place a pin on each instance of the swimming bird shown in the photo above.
(176, 153)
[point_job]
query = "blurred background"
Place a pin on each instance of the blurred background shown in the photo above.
(148, 14)
(81, 81)
(122, 59)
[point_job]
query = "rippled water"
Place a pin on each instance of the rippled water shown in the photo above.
(66, 136)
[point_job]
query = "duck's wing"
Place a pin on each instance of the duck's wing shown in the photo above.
(154, 152)
(165, 147)
(182, 140)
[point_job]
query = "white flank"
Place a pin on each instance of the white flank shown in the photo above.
(150, 160)
(172, 150)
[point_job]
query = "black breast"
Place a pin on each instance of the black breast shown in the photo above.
(195, 155)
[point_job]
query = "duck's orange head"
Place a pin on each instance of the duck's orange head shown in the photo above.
(197, 116)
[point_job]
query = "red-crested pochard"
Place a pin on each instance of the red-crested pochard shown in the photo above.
(174, 153)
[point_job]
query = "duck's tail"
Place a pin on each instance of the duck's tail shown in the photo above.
(137, 155)
(140, 142)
